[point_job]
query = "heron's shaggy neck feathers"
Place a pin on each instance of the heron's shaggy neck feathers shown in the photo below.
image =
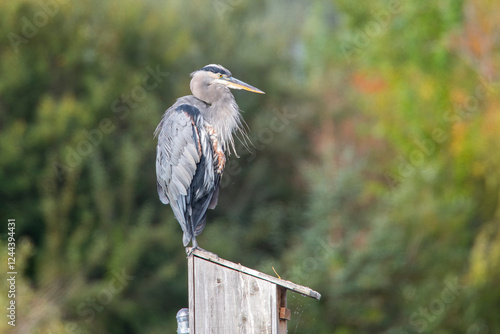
(225, 118)
(222, 112)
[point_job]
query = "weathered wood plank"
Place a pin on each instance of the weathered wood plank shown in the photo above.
(281, 303)
(192, 306)
(275, 314)
(229, 301)
(238, 267)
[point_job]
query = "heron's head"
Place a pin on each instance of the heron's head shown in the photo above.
(213, 81)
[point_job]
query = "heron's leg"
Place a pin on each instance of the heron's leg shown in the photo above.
(194, 245)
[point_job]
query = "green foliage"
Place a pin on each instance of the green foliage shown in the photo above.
(413, 247)
(372, 177)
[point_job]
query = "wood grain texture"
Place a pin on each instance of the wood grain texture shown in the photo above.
(303, 290)
(192, 323)
(228, 301)
(228, 298)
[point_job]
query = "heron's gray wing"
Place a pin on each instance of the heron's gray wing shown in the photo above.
(177, 154)
(184, 167)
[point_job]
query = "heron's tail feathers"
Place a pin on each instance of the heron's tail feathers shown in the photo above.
(200, 225)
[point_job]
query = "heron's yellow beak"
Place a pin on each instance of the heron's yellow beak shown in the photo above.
(238, 84)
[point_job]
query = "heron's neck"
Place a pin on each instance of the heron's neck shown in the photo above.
(222, 112)
(224, 116)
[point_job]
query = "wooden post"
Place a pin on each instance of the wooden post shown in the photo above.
(225, 297)
(284, 314)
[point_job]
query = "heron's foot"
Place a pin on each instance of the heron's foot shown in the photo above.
(190, 251)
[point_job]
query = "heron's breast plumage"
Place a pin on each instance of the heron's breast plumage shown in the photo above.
(218, 148)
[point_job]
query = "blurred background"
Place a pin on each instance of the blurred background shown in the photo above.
(374, 175)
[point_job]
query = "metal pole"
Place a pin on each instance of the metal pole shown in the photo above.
(183, 321)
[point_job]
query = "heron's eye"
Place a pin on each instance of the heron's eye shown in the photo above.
(220, 76)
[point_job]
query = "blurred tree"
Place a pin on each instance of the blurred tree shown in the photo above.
(403, 238)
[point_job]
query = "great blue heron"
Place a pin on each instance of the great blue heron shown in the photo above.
(192, 136)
